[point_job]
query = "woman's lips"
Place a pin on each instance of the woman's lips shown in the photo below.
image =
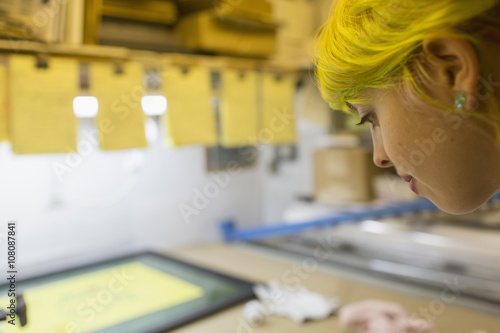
(413, 186)
(412, 181)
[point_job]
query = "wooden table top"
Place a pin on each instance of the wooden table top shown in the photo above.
(254, 265)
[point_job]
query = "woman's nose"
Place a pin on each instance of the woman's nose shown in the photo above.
(380, 157)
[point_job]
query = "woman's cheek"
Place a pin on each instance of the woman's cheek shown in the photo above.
(400, 151)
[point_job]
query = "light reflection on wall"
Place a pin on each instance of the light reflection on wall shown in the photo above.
(154, 105)
(85, 106)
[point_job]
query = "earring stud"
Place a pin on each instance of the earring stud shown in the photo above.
(460, 101)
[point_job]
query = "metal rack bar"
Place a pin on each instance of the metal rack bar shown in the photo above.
(231, 233)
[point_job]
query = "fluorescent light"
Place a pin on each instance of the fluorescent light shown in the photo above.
(154, 105)
(85, 106)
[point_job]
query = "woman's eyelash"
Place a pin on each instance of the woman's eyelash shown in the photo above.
(368, 118)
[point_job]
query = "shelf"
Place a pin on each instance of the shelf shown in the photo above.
(113, 53)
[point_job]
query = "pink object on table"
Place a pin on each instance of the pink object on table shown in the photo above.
(375, 316)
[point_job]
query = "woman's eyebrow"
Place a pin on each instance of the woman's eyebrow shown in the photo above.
(352, 107)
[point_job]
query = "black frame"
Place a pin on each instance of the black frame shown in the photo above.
(245, 295)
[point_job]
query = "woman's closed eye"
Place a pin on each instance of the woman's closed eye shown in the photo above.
(369, 118)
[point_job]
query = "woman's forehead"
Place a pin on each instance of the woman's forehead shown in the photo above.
(372, 96)
(366, 97)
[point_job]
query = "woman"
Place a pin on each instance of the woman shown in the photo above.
(425, 75)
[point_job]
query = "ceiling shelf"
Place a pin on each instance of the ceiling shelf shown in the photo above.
(113, 53)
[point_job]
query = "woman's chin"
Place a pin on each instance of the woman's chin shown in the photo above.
(459, 206)
(458, 210)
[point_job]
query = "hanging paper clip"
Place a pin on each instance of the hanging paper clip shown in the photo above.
(42, 61)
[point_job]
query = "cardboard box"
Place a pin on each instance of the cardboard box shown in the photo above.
(344, 174)
(209, 32)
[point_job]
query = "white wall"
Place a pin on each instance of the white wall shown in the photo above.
(280, 190)
(114, 202)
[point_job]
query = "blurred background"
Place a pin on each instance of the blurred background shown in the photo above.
(131, 125)
(74, 194)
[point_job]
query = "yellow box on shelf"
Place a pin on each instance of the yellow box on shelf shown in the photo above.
(249, 9)
(260, 10)
(152, 11)
(41, 118)
(229, 34)
(298, 24)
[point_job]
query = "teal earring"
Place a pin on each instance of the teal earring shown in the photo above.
(460, 101)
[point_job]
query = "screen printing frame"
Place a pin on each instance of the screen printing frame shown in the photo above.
(245, 293)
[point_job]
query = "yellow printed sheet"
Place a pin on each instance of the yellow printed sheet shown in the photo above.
(3, 103)
(190, 117)
(101, 299)
(120, 120)
(238, 108)
(41, 105)
(278, 120)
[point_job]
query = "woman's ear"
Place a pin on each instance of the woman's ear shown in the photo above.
(455, 65)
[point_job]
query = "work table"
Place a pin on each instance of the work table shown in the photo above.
(252, 264)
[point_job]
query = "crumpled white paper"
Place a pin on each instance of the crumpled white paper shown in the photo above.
(298, 304)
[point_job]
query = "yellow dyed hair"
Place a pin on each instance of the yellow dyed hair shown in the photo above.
(377, 43)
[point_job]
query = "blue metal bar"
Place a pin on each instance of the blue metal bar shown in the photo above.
(231, 233)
